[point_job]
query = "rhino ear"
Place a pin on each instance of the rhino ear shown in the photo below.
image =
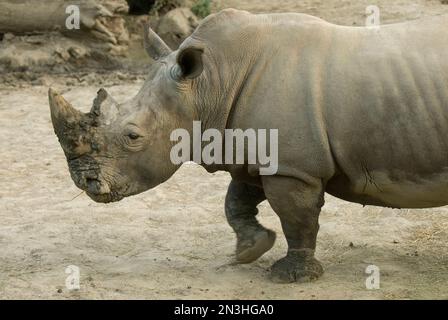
(190, 62)
(154, 46)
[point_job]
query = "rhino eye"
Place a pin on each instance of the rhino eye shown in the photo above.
(133, 136)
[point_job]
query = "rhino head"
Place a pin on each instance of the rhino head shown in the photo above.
(118, 150)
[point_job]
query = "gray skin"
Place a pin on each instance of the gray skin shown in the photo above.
(362, 114)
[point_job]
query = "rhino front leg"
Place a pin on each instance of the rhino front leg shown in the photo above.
(298, 205)
(253, 240)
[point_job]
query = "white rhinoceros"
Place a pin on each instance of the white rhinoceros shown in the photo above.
(361, 113)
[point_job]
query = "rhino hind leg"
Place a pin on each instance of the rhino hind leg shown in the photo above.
(298, 206)
(253, 240)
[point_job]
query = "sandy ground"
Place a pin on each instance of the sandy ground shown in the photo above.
(345, 12)
(173, 241)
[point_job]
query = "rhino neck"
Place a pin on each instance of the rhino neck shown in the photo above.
(236, 57)
(222, 112)
(226, 83)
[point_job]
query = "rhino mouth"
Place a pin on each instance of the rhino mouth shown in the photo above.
(105, 197)
(114, 195)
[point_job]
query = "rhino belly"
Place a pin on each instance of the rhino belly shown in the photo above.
(379, 189)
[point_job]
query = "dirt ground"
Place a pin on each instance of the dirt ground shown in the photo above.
(173, 241)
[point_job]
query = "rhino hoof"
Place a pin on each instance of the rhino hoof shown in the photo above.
(296, 267)
(260, 243)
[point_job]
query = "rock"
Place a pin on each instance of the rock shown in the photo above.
(8, 36)
(77, 52)
(54, 53)
(176, 26)
(97, 22)
(116, 6)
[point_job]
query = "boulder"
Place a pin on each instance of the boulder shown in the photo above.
(176, 26)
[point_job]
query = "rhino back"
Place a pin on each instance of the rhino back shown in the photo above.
(386, 111)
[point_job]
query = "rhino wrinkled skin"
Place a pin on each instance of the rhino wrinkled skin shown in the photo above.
(362, 114)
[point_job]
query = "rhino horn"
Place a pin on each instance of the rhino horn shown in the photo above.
(67, 122)
(105, 109)
(62, 113)
(154, 45)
